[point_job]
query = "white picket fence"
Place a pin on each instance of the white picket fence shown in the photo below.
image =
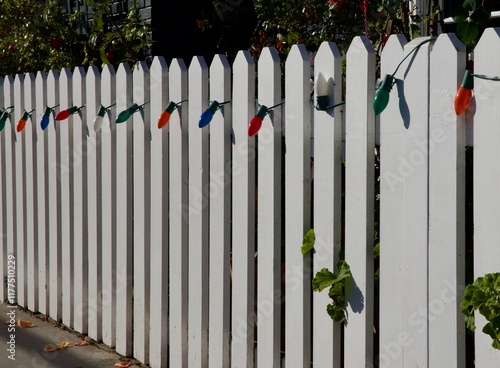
(152, 240)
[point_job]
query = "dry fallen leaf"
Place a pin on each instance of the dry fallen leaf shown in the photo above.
(123, 364)
(50, 348)
(24, 324)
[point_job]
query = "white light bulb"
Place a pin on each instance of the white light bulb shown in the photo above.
(321, 85)
(98, 123)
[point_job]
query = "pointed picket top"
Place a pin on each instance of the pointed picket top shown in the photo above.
(298, 54)
(107, 70)
(198, 63)
(65, 74)
(270, 54)
(360, 47)
(159, 62)
(489, 38)
(18, 100)
(178, 78)
(124, 95)
(30, 100)
(79, 81)
(41, 104)
(140, 80)
(328, 49)
(219, 61)
(392, 54)
(93, 96)
(269, 70)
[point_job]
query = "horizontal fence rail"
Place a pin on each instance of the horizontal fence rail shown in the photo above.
(181, 245)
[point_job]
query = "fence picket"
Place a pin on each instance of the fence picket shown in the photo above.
(123, 212)
(30, 177)
(106, 182)
(7, 181)
(92, 214)
(269, 217)
(64, 170)
(51, 198)
(359, 202)
(41, 205)
(158, 348)
(391, 228)
(198, 216)
(78, 163)
(4, 265)
(178, 231)
(141, 199)
(327, 202)
(446, 206)
(220, 209)
(486, 180)
(298, 207)
(243, 213)
(19, 192)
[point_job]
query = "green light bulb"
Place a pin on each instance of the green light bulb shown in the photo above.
(382, 96)
(126, 114)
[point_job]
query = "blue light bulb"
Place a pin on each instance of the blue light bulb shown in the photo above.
(44, 123)
(205, 118)
(208, 114)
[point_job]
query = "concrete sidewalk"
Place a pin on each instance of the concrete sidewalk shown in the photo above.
(29, 343)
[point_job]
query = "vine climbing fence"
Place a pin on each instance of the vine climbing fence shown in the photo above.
(180, 246)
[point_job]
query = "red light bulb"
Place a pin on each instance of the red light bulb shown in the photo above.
(464, 94)
(165, 115)
(62, 115)
(254, 125)
(20, 125)
(462, 100)
(164, 119)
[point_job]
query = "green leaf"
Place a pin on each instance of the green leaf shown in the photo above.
(102, 54)
(414, 31)
(467, 32)
(469, 4)
(376, 250)
(343, 271)
(337, 314)
(460, 15)
(308, 242)
(480, 15)
(323, 279)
